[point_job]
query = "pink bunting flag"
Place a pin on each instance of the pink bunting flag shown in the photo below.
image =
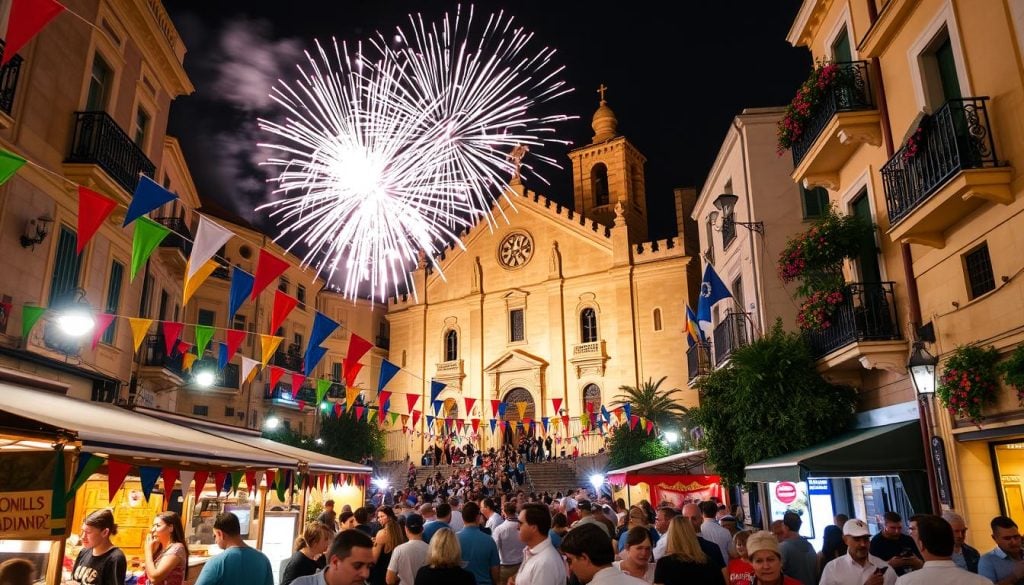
(103, 321)
(410, 401)
(172, 331)
(116, 472)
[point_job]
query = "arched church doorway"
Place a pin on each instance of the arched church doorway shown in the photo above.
(518, 407)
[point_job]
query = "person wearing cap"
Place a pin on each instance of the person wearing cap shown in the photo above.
(409, 556)
(763, 553)
(858, 566)
(934, 538)
(587, 516)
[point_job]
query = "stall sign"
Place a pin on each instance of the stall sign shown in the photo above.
(26, 495)
(819, 486)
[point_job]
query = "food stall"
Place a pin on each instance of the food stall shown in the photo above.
(88, 456)
(677, 479)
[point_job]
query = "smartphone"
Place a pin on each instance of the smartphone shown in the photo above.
(880, 570)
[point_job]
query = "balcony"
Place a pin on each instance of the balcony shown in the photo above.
(177, 246)
(226, 380)
(953, 172)
(99, 142)
(156, 365)
(698, 361)
(589, 358)
(864, 331)
(290, 361)
(451, 372)
(9, 74)
(731, 333)
(282, 395)
(845, 119)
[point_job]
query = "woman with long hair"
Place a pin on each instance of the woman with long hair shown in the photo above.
(444, 562)
(684, 562)
(637, 562)
(165, 550)
(388, 537)
(309, 548)
(99, 562)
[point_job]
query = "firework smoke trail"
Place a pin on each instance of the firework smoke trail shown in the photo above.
(386, 156)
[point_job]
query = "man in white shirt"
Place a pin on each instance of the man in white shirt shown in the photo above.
(857, 566)
(711, 530)
(542, 564)
(590, 558)
(661, 521)
(456, 522)
(934, 538)
(410, 556)
(490, 511)
(510, 549)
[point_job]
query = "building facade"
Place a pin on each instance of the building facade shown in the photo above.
(556, 303)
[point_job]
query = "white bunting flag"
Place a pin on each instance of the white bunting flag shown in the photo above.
(210, 236)
(185, 477)
(248, 366)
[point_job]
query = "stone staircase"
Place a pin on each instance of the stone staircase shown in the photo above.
(553, 477)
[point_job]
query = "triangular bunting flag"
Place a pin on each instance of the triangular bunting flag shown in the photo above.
(140, 327)
(148, 477)
(283, 306)
(430, 421)
(250, 480)
(241, 288)
(103, 321)
(435, 389)
(87, 465)
(222, 356)
(339, 407)
(236, 480)
(219, 479)
(147, 197)
(546, 422)
(297, 381)
(201, 478)
(204, 333)
(410, 401)
(187, 360)
(172, 332)
(93, 209)
(556, 404)
(170, 476)
(633, 419)
(271, 477)
(359, 412)
(116, 472)
(248, 368)
(183, 347)
(388, 371)
(235, 337)
(350, 397)
(628, 409)
(437, 407)
(323, 327)
(313, 356)
(495, 404)
(357, 348)
(476, 424)
(469, 404)
(521, 407)
(392, 417)
(322, 386)
(210, 237)
(268, 268)
(148, 235)
(26, 19)
(192, 284)
(268, 345)
(275, 377)
(351, 371)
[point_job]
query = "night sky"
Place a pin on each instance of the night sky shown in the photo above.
(676, 75)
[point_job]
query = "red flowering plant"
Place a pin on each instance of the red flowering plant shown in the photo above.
(805, 103)
(912, 147)
(969, 381)
(817, 310)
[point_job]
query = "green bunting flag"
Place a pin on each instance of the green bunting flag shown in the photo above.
(322, 386)
(29, 317)
(204, 333)
(87, 465)
(9, 164)
(236, 478)
(148, 235)
(58, 504)
(282, 482)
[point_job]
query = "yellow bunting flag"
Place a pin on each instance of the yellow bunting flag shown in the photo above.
(350, 397)
(521, 406)
(139, 329)
(187, 361)
(268, 345)
(200, 276)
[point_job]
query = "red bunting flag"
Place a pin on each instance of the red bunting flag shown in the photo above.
(297, 380)
(526, 422)
(357, 348)
(26, 19)
(171, 331)
(494, 408)
(93, 208)
(476, 424)
(275, 376)
(469, 404)
(410, 400)
(268, 267)
(183, 347)
(565, 422)
(250, 481)
(590, 407)
(351, 371)
(116, 472)
(283, 305)
(200, 479)
(338, 408)
(382, 403)
(219, 477)
(103, 321)
(235, 337)
(170, 475)
(557, 404)
(270, 475)
(359, 412)
(415, 417)
(633, 419)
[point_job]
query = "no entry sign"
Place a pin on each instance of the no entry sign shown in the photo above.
(785, 492)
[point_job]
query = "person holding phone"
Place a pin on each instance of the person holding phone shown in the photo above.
(857, 566)
(894, 547)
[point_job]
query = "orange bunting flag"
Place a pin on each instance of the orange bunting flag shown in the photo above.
(187, 361)
(521, 407)
(268, 345)
(139, 327)
(198, 277)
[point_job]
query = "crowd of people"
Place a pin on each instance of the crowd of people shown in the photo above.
(527, 449)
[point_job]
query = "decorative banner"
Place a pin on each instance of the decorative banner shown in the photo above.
(469, 405)
(88, 464)
(415, 417)
(494, 423)
(222, 356)
(283, 481)
(650, 427)
(204, 333)
(187, 360)
(605, 414)
(632, 422)
(27, 18)
(437, 407)
(148, 235)
(30, 315)
(172, 332)
(501, 410)
(275, 377)
(116, 472)
(338, 408)
(590, 408)
(170, 475)
(268, 268)
(565, 422)
(521, 407)
(268, 345)
(283, 306)
(235, 337)
(628, 409)
(93, 209)
(241, 287)
(435, 389)
(140, 327)
(495, 404)
(360, 410)
(383, 403)
(410, 401)
(192, 284)
(219, 479)
(351, 371)
(210, 236)
(271, 477)
(357, 348)
(322, 386)
(350, 397)
(147, 197)
(297, 381)
(236, 479)
(183, 347)
(388, 371)
(557, 404)
(201, 478)
(248, 368)
(545, 421)
(476, 425)
(313, 356)
(430, 421)
(148, 477)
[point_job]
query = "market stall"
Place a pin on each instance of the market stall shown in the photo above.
(677, 479)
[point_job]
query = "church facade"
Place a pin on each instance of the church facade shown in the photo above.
(555, 307)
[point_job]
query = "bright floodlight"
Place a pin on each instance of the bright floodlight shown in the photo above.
(324, 405)
(597, 480)
(319, 441)
(671, 436)
(272, 422)
(381, 483)
(76, 322)
(204, 378)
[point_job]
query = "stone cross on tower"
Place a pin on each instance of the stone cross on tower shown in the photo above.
(601, 91)
(516, 156)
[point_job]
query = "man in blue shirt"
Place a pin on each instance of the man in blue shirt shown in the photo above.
(1004, 565)
(239, 564)
(444, 516)
(479, 551)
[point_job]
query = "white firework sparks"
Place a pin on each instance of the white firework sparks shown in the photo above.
(387, 157)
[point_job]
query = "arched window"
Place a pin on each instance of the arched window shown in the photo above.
(588, 325)
(451, 346)
(592, 399)
(599, 184)
(657, 319)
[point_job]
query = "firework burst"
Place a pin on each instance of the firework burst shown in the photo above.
(388, 152)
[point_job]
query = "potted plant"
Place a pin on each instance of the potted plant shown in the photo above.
(969, 381)
(816, 312)
(1012, 371)
(805, 104)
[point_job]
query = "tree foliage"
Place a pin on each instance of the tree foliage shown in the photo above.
(628, 447)
(651, 402)
(343, 437)
(769, 400)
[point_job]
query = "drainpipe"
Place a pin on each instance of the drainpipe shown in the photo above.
(750, 217)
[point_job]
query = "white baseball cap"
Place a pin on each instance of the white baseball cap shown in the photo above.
(856, 528)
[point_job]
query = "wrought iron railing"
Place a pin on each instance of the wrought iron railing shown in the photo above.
(99, 140)
(229, 377)
(730, 334)
(849, 92)
(698, 360)
(283, 392)
(866, 313)
(180, 236)
(9, 74)
(956, 137)
(155, 354)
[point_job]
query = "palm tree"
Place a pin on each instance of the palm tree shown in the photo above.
(653, 404)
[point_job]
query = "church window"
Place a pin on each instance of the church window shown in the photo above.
(588, 325)
(451, 346)
(599, 183)
(592, 399)
(516, 325)
(657, 319)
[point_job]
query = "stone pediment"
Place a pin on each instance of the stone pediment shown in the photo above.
(515, 360)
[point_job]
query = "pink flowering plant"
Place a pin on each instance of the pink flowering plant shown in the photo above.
(1012, 371)
(817, 310)
(969, 381)
(804, 105)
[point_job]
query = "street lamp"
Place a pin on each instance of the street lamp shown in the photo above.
(76, 319)
(271, 422)
(922, 369)
(726, 203)
(921, 366)
(670, 437)
(205, 378)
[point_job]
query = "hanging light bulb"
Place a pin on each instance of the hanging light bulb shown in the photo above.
(76, 318)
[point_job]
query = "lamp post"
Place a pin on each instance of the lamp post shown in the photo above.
(921, 366)
(726, 203)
